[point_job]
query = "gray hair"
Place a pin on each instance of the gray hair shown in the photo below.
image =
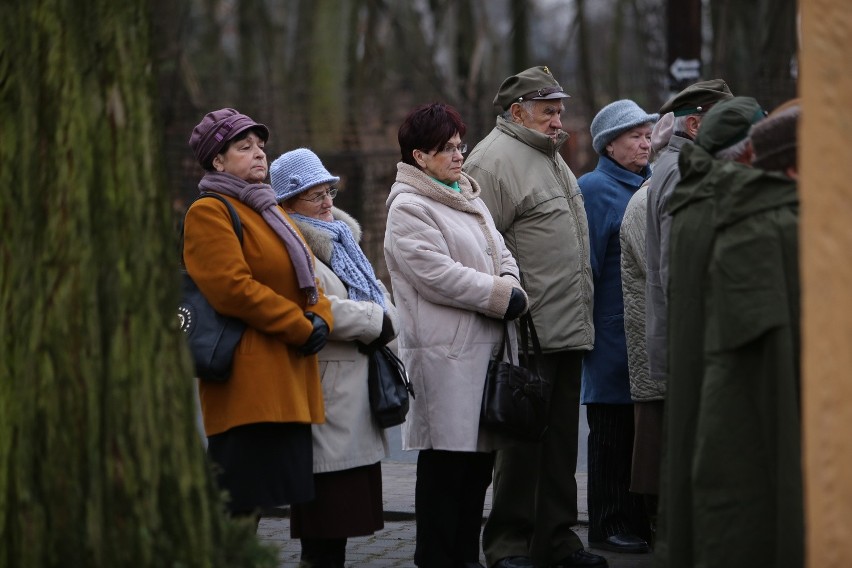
(528, 106)
(680, 123)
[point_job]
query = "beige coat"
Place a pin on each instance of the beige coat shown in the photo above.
(452, 277)
(536, 204)
(350, 436)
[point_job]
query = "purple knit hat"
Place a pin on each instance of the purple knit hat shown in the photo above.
(215, 130)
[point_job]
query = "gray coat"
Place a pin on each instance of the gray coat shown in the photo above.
(665, 178)
(350, 436)
(633, 275)
(452, 277)
(537, 206)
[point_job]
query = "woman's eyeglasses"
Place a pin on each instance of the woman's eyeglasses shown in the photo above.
(330, 192)
(449, 149)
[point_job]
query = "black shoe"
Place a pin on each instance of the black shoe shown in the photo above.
(625, 543)
(514, 562)
(581, 559)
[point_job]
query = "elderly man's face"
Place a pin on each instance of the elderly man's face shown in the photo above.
(545, 116)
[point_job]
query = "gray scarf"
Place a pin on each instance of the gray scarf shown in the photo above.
(261, 198)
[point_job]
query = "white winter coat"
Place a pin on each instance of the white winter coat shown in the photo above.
(350, 437)
(452, 277)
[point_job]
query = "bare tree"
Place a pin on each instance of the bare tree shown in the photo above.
(754, 46)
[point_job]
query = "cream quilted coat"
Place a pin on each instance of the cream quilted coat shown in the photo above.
(452, 277)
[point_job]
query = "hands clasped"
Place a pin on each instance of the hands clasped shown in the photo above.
(318, 337)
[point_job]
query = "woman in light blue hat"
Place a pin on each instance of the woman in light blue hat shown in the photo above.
(621, 135)
(349, 446)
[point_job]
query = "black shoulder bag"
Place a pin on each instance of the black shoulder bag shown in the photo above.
(212, 337)
(516, 399)
(389, 387)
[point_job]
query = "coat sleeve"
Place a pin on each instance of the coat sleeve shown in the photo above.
(423, 257)
(214, 259)
(354, 320)
(500, 206)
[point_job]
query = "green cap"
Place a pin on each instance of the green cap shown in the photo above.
(727, 123)
(535, 83)
(697, 98)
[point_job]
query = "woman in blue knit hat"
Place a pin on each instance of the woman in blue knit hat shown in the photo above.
(349, 447)
(621, 135)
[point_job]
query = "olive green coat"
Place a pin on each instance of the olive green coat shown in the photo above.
(732, 485)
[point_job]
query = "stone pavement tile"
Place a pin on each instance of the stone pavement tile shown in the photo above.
(398, 479)
(393, 546)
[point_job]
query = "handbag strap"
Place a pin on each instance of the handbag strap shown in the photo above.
(235, 218)
(505, 346)
(528, 333)
(400, 366)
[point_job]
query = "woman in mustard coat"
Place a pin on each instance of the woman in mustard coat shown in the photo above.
(258, 422)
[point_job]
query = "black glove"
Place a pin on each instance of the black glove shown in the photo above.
(318, 337)
(386, 335)
(517, 305)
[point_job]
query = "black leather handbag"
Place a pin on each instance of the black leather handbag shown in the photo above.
(389, 387)
(516, 398)
(212, 337)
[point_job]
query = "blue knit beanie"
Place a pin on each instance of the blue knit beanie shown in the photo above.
(615, 118)
(297, 171)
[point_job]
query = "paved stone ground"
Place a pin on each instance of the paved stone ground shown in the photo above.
(394, 545)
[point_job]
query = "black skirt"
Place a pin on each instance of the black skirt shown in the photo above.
(348, 503)
(263, 465)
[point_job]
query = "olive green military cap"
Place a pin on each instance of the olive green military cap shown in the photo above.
(535, 83)
(728, 122)
(697, 98)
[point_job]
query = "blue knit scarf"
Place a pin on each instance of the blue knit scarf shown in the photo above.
(348, 261)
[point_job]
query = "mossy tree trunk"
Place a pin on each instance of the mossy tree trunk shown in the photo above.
(101, 464)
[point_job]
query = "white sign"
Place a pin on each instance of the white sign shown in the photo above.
(684, 69)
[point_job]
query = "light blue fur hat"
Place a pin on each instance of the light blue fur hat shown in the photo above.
(297, 171)
(615, 118)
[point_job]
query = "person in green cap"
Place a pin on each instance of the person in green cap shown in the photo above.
(732, 474)
(536, 204)
(689, 107)
(719, 158)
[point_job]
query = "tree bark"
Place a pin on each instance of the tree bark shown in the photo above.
(101, 464)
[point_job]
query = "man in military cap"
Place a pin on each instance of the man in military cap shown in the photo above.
(719, 159)
(689, 107)
(536, 204)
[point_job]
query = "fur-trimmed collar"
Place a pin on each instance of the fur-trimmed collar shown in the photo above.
(319, 241)
(414, 180)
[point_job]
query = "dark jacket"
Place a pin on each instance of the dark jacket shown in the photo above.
(747, 467)
(692, 207)
(732, 477)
